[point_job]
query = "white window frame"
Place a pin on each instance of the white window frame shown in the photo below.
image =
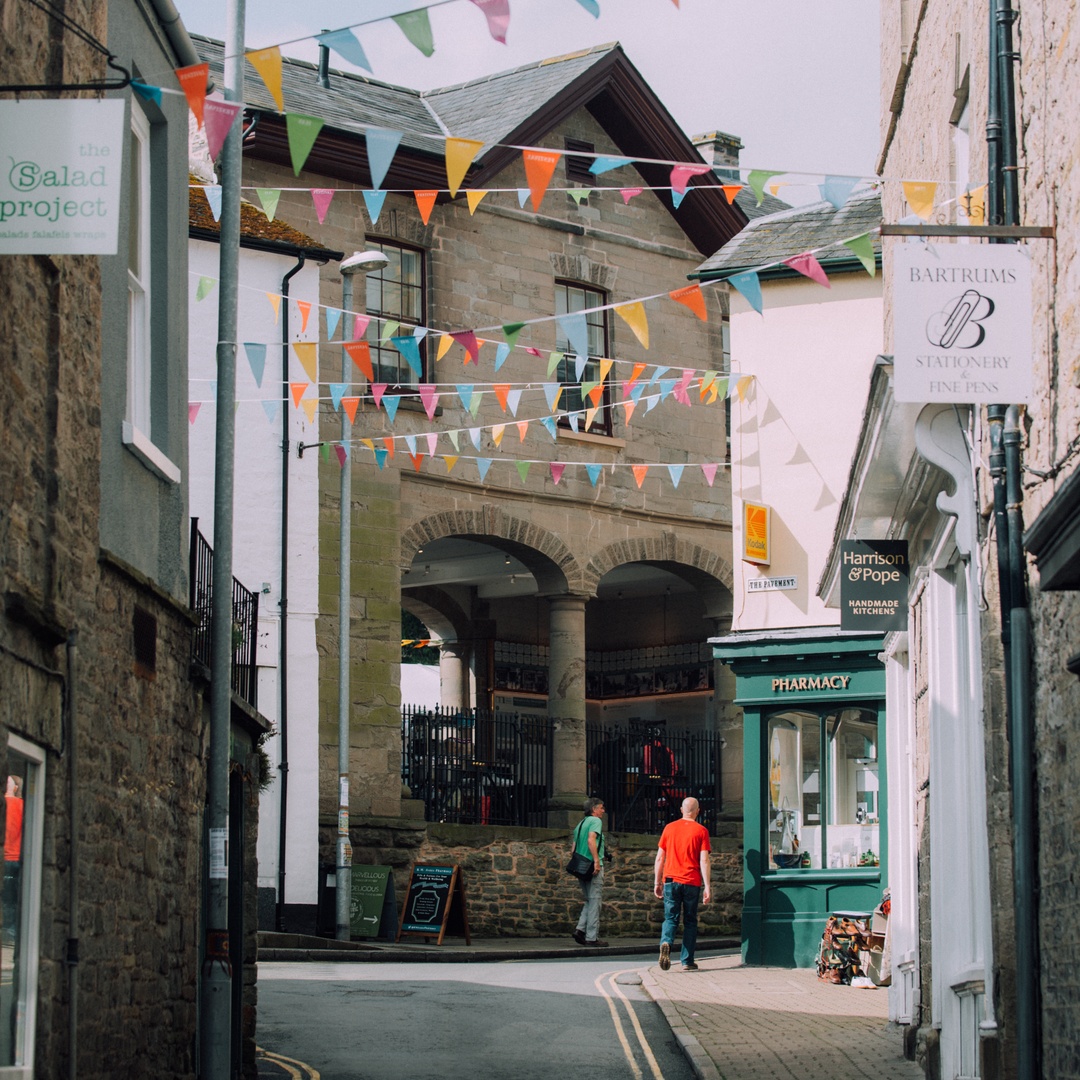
(30, 907)
(136, 433)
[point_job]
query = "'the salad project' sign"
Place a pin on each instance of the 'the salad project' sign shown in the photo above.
(60, 174)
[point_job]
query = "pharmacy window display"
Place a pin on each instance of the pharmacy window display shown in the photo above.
(823, 794)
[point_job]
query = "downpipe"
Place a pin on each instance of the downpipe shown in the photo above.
(71, 959)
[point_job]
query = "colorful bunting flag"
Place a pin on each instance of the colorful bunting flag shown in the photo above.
(606, 164)
(219, 117)
(416, 26)
(349, 404)
(748, 284)
(304, 307)
(501, 392)
(557, 469)
(576, 329)
(473, 198)
(146, 92)
(692, 297)
(591, 6)
(374, 200)
(298, 389)
(730, 191)
(429, 397)
(920, 197)
(467, 339)
(382, 144)
(193, 410)
(268, 199)
(862, 247)
(409, 347)
(634, 316)
(523, 469)
(425, 201)
(193, 82)
(639, 472)
(539, 168)
(204, 288)
(757, 179)
(451, 461)
(345, 44)
(306, 354)
(333, 317)
(593, 471)
(482, 465)
(256, 356)
(675, 472)
(390, 403)
(360, 353)
(213, 197)
(337, 392)
(267, 62)
(275, 303)
(710, 473)
(377, 391)
(836, 189)
(628, 193)
(808, 266)
(497, 13)
(502, 351)
(321, 197)
(681, 174)
(302, 132)
(271, 410)
(459, 156)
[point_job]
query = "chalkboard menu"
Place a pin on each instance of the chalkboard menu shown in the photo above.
(434, 903)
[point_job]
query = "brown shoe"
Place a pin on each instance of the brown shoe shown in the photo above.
(690, 966)
(597, 944)
(579, 936)
(665, 956)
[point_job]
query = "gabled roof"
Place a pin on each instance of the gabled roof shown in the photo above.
(512, 108)
(771, 239)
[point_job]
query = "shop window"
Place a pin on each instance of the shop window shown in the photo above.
(580, 376)
(822, 789)
(395, 294)
(21, 899)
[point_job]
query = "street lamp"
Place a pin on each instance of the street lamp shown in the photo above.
(360, 262)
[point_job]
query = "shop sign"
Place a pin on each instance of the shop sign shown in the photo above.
(756, 533)
(873, 584)
(60, 176)
(962, 316)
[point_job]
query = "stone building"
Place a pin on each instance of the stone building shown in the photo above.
(102, 721)
(542, 499)
(983, 681)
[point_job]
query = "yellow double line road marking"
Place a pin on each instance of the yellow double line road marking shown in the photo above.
(295, 1070)
(608, 987)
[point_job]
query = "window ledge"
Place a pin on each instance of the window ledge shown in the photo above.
(566, 435)
(156, 461)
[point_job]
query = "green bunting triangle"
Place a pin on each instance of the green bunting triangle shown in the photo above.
(862, 247)
(523, 469)
(269, 197)
(511, 331)
(416, 26)
(554, 360)
(757, 180)
(302, 131)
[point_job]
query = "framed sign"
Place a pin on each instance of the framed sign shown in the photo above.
(60, 176)
(873, 585)
(756, 533)
(962, 323)
(434, 903)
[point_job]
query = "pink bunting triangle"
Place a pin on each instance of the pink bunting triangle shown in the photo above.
(497, 13)
(807, 265)
(710, 473)
(193, 410)
(557, 468)
(467, 339)
(430, 399)
(218, 118)
(342, 457)
(681, 174)
(321, 198)
(628, 193)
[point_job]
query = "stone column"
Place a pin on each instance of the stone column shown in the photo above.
(454, 675)
(566, 708)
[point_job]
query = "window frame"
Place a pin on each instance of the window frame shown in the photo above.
(566, 374)
(379, 315)
(29, 906)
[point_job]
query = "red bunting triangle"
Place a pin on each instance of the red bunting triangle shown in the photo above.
(692, 297)
(360, 352)
(425, 200)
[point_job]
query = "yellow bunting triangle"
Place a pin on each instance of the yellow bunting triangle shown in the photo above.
(369, 443)
(306, 353)
(590, 415)
(497, 433)
(451, 460)
(444, 345)
(459, 156)
(275, 303)
(473, 198)
(920, 197)
(539, 168)
(742, 386)
(309, 406)
(634, 316)
(605, 367)
(267, 62)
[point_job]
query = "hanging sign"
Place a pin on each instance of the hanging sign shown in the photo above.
(756, 533)
(962, 315)
(60, 176)
(873, 584)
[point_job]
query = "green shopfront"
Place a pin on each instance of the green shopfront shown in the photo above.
(814, 784)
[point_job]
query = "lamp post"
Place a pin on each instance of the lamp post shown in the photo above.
(364, 262)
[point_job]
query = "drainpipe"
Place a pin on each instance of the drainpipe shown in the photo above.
(283, 634)
(72, 959)
(995, 415)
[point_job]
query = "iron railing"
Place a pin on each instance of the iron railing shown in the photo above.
(472, 767)
(475, 767)
(245, 608)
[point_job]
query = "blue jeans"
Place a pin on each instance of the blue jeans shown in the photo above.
(685, 899)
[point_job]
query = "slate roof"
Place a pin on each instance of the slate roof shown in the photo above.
(776, 237)
(746, 200)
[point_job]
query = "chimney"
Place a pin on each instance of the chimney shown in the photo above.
(323, 77)
(721, 151)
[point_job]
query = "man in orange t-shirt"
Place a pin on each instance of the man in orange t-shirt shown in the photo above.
(681, 880)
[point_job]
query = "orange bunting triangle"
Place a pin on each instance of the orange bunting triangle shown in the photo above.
(635, 375)
(298, 389)
(692, 297)
(639, 473)
(360, 352)
(417, 460)
(459, 156)
(731, 190)
(193, 82)
(634, 316)
(306, 354)
(629, 405)
(267, 62)
(595, 395)
(304, 307)
(539, 168)
(522, 426)
(501, 392)
(388, 442)
(425, 201)
(349, 405)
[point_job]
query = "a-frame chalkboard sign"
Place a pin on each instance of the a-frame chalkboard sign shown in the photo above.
(435, 903)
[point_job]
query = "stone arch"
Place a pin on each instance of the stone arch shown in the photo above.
(550, 561)
(707, 570)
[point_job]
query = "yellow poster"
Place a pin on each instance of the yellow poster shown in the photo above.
(757, 528)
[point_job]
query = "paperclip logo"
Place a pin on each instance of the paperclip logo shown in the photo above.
(960, 324)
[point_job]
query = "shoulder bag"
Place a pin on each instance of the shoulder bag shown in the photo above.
(580, 866)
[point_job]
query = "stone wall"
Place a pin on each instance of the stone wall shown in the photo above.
(516, 884)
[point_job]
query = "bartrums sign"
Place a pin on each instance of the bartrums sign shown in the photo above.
(962, 323)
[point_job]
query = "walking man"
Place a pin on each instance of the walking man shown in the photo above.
(681, 876)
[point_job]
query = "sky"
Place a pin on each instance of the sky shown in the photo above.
(796, 80)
